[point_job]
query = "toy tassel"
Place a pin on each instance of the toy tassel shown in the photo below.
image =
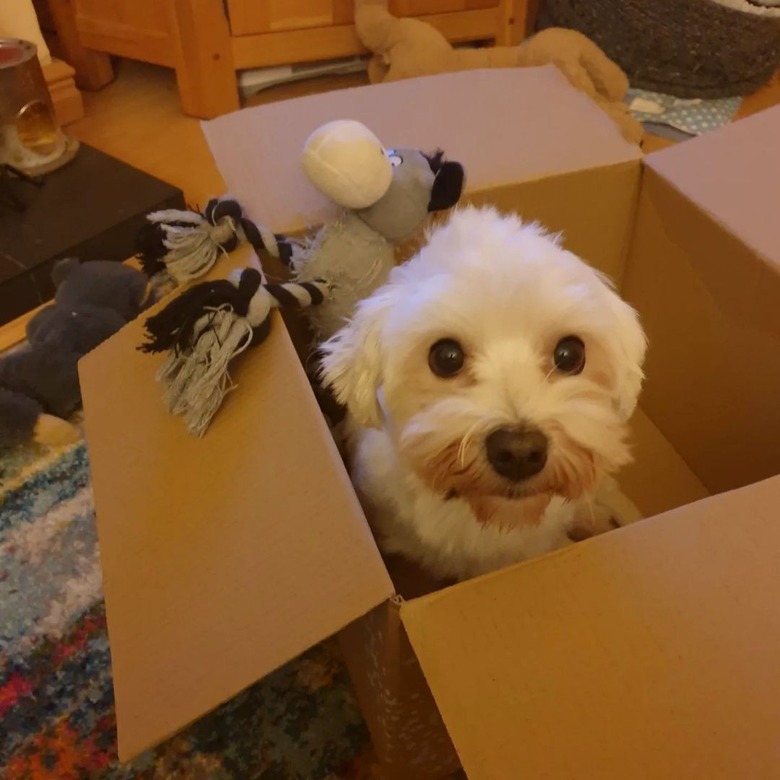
(206, 327)
(187, 244)
(196, 382)
(261, 238)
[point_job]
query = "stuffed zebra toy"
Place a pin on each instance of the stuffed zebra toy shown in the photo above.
(385, 195)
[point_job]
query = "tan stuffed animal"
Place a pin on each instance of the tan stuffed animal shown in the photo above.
(405, 48)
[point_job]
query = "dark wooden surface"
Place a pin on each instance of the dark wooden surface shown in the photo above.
(91, 209)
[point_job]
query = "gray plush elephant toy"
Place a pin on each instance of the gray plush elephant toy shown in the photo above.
(39, 383)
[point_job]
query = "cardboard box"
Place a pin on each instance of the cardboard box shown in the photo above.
(650, 652)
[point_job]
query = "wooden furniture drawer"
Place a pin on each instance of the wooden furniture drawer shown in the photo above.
(425, 7)
(251, 17)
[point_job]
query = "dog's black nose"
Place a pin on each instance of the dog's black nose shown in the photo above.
(517, 453)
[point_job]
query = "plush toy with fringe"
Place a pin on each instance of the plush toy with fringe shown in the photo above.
(185, 244)
(385, 197)
(206, 326)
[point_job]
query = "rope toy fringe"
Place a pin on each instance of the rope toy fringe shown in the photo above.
(186, 244)
(208, 325)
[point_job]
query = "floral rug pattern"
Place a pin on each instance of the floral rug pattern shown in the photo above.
(56, 701)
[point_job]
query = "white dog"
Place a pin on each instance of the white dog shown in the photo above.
(488, 385)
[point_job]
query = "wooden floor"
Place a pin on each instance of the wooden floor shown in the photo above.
(138, 120)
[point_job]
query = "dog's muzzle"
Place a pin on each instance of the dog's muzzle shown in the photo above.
(516, 453)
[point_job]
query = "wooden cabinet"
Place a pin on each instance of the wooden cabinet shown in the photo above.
(252, 17)
(275, 32)
(249, 17)
(207, 41)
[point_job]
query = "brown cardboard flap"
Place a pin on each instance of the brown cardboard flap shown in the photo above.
(406, 728)
(710, 305)
(734, 175)
(743, 282)
(223, 557)
(652, 652)
(504, 125)
(658, 479)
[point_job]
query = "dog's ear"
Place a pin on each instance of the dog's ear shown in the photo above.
(351, 364)
(633, 346)
(630, 349)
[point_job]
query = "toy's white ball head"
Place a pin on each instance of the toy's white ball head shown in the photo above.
(346, 162)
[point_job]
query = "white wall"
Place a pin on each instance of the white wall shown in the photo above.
(18, 20)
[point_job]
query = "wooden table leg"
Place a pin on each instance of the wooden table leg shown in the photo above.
(93, 69)
(204, 58)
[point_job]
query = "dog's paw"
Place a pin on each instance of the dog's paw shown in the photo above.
(612, 500)
(592, 521)
(609, 509)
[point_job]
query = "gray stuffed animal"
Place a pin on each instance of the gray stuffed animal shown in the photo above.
(385, 197)
(356, 252)
(39, 384)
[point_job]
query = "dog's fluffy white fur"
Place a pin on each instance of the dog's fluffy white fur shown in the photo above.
(507, 292)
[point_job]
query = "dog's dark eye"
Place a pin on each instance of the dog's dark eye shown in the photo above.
(446, 358)
(569, 355)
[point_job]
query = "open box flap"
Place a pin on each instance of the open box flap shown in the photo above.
(733, 176)
(659, 641)
(704, 274)
(504, 126)
(231, 554)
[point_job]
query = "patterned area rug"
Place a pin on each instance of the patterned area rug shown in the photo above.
(56, 701)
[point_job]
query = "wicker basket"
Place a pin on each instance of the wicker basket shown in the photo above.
(687, 48)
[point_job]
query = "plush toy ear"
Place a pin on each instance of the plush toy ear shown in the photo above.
(447, 186)
(351, 365)
(630, 348)
(62, 269)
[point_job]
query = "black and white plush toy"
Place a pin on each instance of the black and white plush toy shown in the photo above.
(385, 197)
(185, 245)
(206, 326)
